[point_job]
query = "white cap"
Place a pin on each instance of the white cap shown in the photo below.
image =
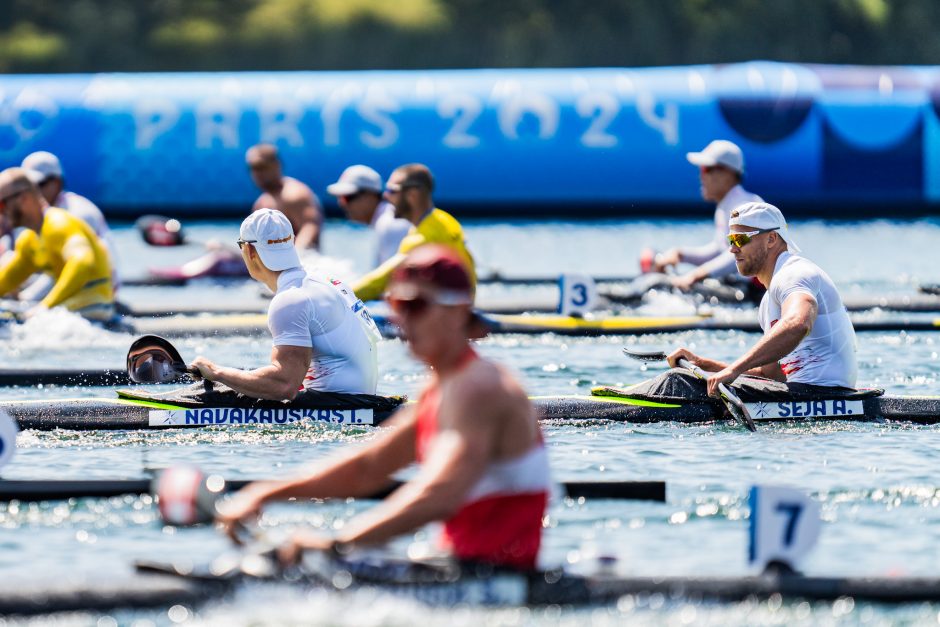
(272, 235)
(355, 179)
(42, 165)
(719, 152)
(760, 215)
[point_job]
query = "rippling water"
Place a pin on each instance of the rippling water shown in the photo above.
(877, 483)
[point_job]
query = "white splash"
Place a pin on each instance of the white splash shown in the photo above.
(333, 267)
(59, 329)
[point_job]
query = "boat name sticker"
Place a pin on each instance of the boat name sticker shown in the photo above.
(245, 416)
(829, 408)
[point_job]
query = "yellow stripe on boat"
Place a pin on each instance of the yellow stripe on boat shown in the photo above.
(549, 322)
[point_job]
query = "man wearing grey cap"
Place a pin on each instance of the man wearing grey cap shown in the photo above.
(359, 192)
(324, 338)
(54, 242)
(45, 170)
(808, 335)
(721, 169)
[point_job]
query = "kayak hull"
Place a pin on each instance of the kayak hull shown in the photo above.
(111, 413)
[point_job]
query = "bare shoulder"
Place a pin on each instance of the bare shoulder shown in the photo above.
(264, 201)
(295, 191)
(488, 384)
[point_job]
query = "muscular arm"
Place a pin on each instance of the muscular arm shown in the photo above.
(303, 209)
(797, 316)
(372, 285)
(78, 270)
(358, 475)
(278, 381)
(16, 270)
(459, 458)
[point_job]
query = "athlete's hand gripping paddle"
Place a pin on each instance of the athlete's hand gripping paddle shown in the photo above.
(732, 403)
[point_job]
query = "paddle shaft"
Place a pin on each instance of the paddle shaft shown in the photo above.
(42, 490)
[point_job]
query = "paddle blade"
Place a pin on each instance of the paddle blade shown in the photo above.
(644, 354)
(738, 410)
(152, 359)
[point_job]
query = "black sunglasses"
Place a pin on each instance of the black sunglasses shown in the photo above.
(241, 242)
(394, 189)
(409, 306)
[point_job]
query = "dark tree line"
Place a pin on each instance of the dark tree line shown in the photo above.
(151, 35)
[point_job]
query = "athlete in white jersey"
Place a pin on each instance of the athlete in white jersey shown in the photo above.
(324, 338)
(324, 315)
(721, 169)
(359, 193)
(827, 355)
(808, 336)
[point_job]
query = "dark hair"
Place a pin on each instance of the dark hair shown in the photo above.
(417, 175)
(265, 153)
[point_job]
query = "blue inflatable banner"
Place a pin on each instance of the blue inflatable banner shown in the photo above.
(606, 140)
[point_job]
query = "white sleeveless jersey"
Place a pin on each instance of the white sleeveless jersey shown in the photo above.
(389, 232)
(827, 355)
(323, 314)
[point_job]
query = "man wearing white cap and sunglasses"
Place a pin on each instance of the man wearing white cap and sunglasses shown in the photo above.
(324, 338)
(808, 336)
(359, 193)
(721, 170)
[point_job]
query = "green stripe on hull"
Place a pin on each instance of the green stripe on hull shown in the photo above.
(609, 399)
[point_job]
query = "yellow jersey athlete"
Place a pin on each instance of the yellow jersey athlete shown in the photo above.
(409, 189)
(57, 243)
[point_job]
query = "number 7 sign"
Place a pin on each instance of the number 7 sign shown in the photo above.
(785, 525)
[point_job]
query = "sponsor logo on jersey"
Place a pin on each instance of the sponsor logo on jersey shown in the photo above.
(245, 416)
(827, 408)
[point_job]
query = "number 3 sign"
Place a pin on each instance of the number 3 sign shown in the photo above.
(578, 294)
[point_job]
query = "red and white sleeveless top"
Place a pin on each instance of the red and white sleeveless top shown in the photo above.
(500, 521)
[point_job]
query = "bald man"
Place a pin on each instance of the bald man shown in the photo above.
(288, 195)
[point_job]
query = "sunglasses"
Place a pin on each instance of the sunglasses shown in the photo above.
(347, 198)
(394, 188)
(417, 304)
(409, 306)
(241, 242)
(708, 169)
(739, 240)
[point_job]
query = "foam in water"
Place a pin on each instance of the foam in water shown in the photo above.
(58, 329)
(322, 265)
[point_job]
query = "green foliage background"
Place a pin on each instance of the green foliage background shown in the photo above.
(149, 35)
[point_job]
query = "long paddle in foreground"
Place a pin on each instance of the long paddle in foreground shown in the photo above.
(734, 405)
(47, 490)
